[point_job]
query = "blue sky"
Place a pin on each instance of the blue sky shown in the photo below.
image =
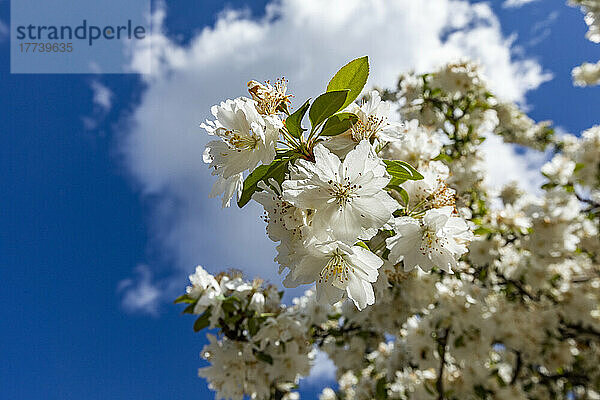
(79, 211)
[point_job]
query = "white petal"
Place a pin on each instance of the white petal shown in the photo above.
(329, 293)
(307, 270)
(354, 163)
(444, 260)
(360, 291)
(344, 223)
(374, 211)
(366, 263)
(305, 193)
(436, 218)
(407, 239)
(327, 164)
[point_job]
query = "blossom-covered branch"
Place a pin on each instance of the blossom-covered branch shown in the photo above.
(428, 283)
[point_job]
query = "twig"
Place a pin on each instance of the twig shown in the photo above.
(571, 376)
(584, 330)
(319, 334)
(517, 285)
(587, 201)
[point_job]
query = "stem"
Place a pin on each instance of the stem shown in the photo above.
(518, 365)
(415, 211)
(313, 131)
(287, 136)
(442, 341)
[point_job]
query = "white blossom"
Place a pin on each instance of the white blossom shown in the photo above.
(338, 268)
(205, 288)
(587, 74)
(417, 144)
(246, 139)
(373, 124)
(346, 196)
(327, 394)
(559, 169)
(436, 241)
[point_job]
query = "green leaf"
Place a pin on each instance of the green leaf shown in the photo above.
(253, 326)
(264, 357)
(276, 170)
(443, 157)
(396, 182)
(352, 76)
(429, 389)
(401, 191)
(282, 154)
(202, 322)
(293, 123)
(230, 304)
(459, 341)
(435, 92)
(549, 185)
(189, 309)
(184, 298)
(363, 245)
(402, 170)
(326, 105)
(380, 390)
(483, 274)
(482, 230)
(338, 123)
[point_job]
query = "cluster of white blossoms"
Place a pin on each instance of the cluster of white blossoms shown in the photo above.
(591, 9)
(456, 290)
(263, 347)
(329, 195)
(588, 74)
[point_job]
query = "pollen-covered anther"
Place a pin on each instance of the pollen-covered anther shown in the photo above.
(336, 269)
(366, 130)
(269, 98)
(344, 192)
(241, 142)
(443, 196)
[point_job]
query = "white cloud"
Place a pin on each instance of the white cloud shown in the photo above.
(322, 371)
(140, 294)
(542, 29)
(516, 3)
(504, 164)
(102, 96)
(307, 41)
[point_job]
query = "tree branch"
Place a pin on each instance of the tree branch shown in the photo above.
(587, 201)
(517, 285)
(442, 341)
(581, 330)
